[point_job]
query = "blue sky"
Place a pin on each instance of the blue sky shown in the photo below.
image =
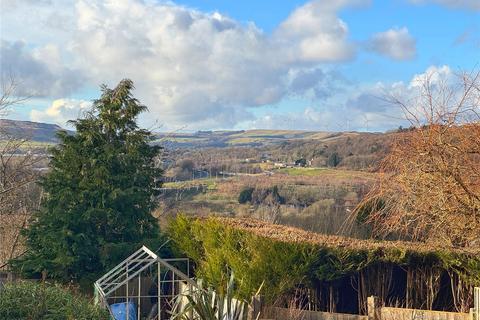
(312, 65)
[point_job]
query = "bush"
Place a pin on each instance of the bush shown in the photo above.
(29, 300)
(218, 250)
(268, 196)
(333, 160)
(278, 264)
(245, 195)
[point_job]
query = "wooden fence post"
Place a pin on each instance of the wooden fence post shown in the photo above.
(373, 308)
(255, 308)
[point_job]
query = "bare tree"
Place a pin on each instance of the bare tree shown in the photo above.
(19, 195)
(429, 184)
(8, 98)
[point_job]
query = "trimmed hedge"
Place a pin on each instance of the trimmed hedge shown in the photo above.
(258, 255)
(255, 261)
(30, 300)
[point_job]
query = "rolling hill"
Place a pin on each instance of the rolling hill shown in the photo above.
(34, 131)
(354, 150)
(251, 138)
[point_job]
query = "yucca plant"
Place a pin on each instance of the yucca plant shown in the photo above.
(204, 303)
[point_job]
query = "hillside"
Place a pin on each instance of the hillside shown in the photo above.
(350, 150)
(44, 132)
(34, 131)
(252, 138)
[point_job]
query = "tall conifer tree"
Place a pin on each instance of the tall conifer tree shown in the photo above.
(99, 192)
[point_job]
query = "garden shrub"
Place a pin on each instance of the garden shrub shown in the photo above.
(256, 262)
(30, 300)
(259, 260)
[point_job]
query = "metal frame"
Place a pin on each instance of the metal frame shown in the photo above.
(123, 283)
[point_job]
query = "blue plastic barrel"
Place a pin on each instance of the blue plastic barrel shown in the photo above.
(119, 311)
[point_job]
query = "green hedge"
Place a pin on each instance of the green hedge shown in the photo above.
(30, 300)
(217, 248)
(255, 261)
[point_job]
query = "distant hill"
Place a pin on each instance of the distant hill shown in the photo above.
(34, 131)
(250, 138)
(348, 149)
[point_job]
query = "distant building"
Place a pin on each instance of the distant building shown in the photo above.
(266, 157)
(302, 162)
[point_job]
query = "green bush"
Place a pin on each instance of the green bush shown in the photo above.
(29, 300)
(333, 160)
(219, 249)
(257, 262)
(245, 195)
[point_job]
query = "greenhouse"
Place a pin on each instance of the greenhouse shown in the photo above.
(143, 286)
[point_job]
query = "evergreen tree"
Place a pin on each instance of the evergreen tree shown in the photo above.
(99, 193)
(333, 160)
(245, 195)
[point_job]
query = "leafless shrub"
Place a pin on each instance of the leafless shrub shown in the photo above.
(429, 186)
(19, 195)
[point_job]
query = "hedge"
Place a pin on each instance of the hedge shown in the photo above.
(278, 257)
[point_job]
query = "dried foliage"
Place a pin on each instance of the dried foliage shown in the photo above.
(429, 186)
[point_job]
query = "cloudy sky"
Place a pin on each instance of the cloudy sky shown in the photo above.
(213, 64)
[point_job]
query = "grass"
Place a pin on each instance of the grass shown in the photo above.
(180, 139)
(272, 133)
(326, 172)
(261, 136)
(211, 184)
(27, 145)
(304, 171)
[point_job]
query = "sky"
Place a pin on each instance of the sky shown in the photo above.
(211, 65)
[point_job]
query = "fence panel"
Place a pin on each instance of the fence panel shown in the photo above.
(297, 314)
(388, 313)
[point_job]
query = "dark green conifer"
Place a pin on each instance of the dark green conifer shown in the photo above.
(99, 192)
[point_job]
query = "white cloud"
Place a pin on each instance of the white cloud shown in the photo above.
(341, 117)
(366, 107)
(206, 70)
(61, 111)
(434, 74)
(190, 67)
(395, 43)
(40, 72)
(203, 68)
(313, 32)
(459, 4)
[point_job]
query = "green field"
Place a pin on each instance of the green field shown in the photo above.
(210, 183)
(27, 145)
(305, 171)
(317, 172)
